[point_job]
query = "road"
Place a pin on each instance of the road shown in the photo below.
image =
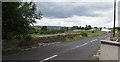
(76, 50)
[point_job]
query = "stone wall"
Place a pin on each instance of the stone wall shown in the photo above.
(56, 38)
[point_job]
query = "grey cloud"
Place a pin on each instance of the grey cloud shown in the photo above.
(67, 9)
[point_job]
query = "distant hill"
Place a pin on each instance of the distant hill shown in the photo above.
(52, 27)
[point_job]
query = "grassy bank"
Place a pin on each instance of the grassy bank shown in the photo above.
(89, 34)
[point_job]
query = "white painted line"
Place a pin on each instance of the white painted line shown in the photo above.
(94, 40)
(83, 44)
(77, 46)
(49, 58)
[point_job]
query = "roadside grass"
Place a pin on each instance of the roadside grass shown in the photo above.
(89, 34)
(74, 39)
(83, 35)
(96, 33)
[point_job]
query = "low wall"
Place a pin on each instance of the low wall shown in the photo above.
(35, 41)
(56, 38)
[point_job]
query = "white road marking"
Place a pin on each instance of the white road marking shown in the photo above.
(83, 44)
(49, 58)
(94, 40)
(77, 46)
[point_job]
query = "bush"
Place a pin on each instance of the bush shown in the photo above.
(84, 34)
(28, 37)
(93, 31)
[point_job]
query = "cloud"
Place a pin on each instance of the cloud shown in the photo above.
(76, 21)
(65, 9)
(75, 13)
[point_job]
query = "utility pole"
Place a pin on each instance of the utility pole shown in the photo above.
(114, 18)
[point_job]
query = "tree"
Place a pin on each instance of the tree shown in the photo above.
(79, 27)
(44, 28)
(100, 28)
(65, 28)
(87, 27)
(96, 28)
(82, 28)
(74, 27)
(104, 27)
(17, 18)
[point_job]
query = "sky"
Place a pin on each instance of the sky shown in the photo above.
(69, 14)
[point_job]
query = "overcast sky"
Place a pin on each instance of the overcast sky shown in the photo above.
(76, 14)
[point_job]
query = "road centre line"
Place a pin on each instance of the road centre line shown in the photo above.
(77, 46)
(49, 58)
(94, 40)
(83, 44)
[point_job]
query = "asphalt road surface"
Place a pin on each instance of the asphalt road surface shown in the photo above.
(77, 50)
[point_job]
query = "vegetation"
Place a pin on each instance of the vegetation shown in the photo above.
(119, 34)
(87, 27)
(86, 34)
(17, 18)
(44, 28)
(96, 33)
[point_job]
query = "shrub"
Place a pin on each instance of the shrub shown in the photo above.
(93, 31)
(84, 34)
(28, 37)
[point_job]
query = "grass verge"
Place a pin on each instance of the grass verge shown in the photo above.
(89, 34)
